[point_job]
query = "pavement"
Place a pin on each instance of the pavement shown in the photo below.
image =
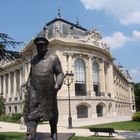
(63, 127)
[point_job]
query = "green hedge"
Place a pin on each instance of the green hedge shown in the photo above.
(15, 117)
(136, 116)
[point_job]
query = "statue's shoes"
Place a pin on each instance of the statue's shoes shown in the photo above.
(54, 136)
(30, 137)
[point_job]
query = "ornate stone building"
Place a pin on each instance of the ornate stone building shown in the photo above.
(100, 87)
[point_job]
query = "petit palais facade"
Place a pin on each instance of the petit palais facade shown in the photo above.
(100, 87)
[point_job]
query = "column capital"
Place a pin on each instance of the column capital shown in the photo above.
(98, 59)
(89, 56)
(68, 54)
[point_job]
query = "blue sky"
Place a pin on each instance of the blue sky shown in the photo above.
(117, 21)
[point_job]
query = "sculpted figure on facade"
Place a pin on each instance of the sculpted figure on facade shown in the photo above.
(45, 79)
(92, 37)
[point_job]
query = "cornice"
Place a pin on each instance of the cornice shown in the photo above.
(121, 75)
(72, 44)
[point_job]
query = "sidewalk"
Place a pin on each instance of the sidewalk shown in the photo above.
(62, 127)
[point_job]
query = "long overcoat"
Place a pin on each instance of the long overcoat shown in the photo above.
(41, 98)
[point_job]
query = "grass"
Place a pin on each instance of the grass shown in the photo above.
(126, 125)
(11, 136)
(97, 138)
(92, 138)
(20, 136)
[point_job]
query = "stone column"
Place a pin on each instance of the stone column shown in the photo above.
(4, 87)
(18, 83)
(15, 85)
(94, 111)
(111, 80)
(12, 84)
(9, 85)
(90, 77)
(21, 82)
(106, 78)
(70, 62)
(70, 68)
(102, 77)
(25, 72)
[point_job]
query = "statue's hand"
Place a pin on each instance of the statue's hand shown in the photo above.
(24, 85)
(56, 87)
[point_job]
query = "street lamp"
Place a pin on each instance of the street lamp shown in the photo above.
(68, 79)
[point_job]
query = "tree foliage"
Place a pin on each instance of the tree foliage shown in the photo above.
(136, 116)
(137, 95)
(5, 42)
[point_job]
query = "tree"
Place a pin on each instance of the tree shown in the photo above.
(137, 95)
(6, 41)
(2, 106)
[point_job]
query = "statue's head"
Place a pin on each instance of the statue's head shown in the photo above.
(41, 45)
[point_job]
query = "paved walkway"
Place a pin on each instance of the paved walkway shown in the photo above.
(62, 127)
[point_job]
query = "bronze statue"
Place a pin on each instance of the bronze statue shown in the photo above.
(45, 79)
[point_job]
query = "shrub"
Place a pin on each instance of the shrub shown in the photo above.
(15, 117)
(5, 118)
(136, 116)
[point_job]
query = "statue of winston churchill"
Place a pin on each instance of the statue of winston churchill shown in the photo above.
(45, 79)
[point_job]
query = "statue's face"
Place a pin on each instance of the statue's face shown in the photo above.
(41, 48)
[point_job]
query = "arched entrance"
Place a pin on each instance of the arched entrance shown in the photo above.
(82, 111)
(100, 110)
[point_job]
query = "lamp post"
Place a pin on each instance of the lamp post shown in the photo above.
(68, 79)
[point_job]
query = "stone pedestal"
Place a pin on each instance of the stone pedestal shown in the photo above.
(61, 136)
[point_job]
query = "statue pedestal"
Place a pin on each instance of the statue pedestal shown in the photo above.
(47, 136)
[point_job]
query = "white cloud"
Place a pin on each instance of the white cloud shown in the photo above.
(93, 5)
(134, 72)
(133, 18)
(136, 35)
(127, 11)
(117, 40)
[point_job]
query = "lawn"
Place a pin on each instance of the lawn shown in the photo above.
(92, 138)
(126, 125)
(11, 136)
(20, 136)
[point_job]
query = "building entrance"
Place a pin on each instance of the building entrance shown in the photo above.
(99, 110)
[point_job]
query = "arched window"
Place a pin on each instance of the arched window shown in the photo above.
(95, 70)
(82, 111)
(80, 82)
